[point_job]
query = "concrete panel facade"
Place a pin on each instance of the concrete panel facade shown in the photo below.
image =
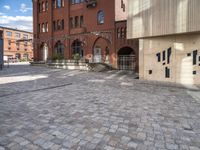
(184, 61)
(147, 18)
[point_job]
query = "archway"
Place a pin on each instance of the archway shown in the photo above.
(126, 59)
(59, 49)
(77, 48)
(101, 51)
(44, 50)
(18, 56)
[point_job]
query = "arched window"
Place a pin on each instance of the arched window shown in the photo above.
(100, 17)
(59, 48)
(122, 32)
(118, 33)
(47, 5)
(77, 48)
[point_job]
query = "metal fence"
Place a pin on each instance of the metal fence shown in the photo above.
(127, 62)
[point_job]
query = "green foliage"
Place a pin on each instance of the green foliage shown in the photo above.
(58, 57)
(76, 56)
(23, 60)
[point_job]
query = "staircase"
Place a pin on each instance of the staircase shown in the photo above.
(99, 67)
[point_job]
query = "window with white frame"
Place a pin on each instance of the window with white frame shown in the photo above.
(100, 17)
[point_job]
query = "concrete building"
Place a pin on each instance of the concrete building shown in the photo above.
(169, 45)
(93, 29)
(14, 49)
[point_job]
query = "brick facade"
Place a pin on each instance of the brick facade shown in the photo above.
(87, 28)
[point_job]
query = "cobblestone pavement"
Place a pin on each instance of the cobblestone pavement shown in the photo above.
(43, 108)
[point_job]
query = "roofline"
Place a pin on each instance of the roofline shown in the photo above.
(121, 21)
(16, 29)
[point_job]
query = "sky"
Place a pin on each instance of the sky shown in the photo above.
(16, 14)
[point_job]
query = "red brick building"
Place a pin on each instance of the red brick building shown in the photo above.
(16, 44)
(93, 29)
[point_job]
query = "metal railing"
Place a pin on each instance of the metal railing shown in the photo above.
(127, 62)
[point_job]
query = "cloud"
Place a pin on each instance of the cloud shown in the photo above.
(19, 22)
(24, 8)
(7, 7)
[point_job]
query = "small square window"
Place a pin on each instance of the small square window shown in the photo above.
(150, 71)
(167, 72)
(194, 72)
(188, 54)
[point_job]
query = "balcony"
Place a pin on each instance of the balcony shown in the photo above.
(91, 3)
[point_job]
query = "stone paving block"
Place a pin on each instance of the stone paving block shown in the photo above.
(39, 141)
(32, 147)
(194, 148)
(88, 115)
(2, 148)
(108, 148)
(132, 145)
(171, 146)
(55, 147)
(23, 143)
(125, 139)
(47, 145)
(141, 136)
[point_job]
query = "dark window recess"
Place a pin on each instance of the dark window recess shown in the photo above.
(150, 71)
(81, 21)
(199, 58)
(188, 54)
(62, 24)
(169, 52)
(194, 72)
(163, 55)
(163, 63)
(167, 72)
(195, 57)
(54, 25)
(158, 56)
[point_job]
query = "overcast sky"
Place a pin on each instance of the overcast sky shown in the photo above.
(16, 14)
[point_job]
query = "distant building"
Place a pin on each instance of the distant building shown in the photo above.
(1, 50)
(169, 33)
(93, 29)
(13, 49)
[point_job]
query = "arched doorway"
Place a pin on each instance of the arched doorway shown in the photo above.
(59, 50)
(101, 51)
(18, 56)
(44, 49)
(126, 59)
(77, 48)
(26, 56)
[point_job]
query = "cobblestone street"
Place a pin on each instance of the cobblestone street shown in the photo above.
(42, 108)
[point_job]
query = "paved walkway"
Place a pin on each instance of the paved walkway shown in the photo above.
(44, 108)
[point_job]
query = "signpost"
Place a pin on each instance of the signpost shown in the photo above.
(1, 54)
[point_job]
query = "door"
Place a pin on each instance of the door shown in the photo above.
(45, 53)
(97, 55)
